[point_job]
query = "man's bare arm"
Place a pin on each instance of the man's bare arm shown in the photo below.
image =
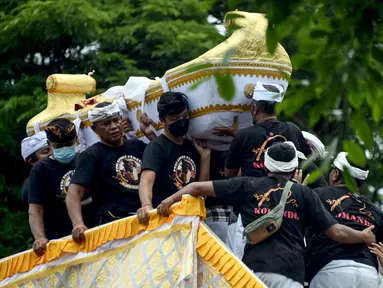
(347, 235)
(36, 213)
(195, 189)
(73, 204)
(204, 167)
(146, 187)
(146, 194)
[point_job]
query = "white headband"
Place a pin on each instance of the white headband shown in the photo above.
(315, 144)
(341, 162)
(261, 93)
(280, 166)
(101, 113)
(33, 144)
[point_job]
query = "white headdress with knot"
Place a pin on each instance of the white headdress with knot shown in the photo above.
(261, 93)
(341, 163)
(101, 113)
(315, 144)
(33, 144)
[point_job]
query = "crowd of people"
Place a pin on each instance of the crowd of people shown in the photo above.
(329, 237)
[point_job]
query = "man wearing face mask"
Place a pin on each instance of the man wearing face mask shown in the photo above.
(170, 162)
(248, 146)
(48, 185)
(247, 149)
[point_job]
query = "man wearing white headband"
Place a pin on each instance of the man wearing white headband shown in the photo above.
(246, 153)
(331, 264)
(278, 260)
(110, 168)
(248, 145)
(33, 149)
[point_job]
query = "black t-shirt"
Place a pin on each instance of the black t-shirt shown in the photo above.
(281, 253)
(24, 193)
(112, 174)
(243, 149)
(217, 172)
(352, 213)
(48, 185)
(175, 166)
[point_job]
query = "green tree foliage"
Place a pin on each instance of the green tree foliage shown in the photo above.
(117, 39)
(336, 50)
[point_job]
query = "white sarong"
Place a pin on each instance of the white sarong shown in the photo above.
(346, 273)
(235, 239)
(273, 280)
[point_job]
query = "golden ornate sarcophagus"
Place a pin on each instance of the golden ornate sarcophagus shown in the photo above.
(250, 62)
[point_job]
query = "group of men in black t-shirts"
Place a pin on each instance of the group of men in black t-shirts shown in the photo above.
(327, 234)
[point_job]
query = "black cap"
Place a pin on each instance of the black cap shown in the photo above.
(171, 103)
(282, 152)
(60, 130)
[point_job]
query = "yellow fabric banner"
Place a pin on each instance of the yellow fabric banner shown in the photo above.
(178, 251)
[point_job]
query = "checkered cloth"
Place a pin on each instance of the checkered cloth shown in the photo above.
(218, 213)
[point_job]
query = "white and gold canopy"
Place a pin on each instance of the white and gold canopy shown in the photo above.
(249, 63)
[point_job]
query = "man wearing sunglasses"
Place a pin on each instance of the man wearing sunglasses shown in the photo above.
(48, 185)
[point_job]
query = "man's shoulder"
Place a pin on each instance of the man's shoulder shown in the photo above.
(261, 183)
(133, 142)
(302, 190)
(158, 142)
(322, 190)
(292, 126)
(43, 165)
(96, 147)
(25, 183)
(248, 131)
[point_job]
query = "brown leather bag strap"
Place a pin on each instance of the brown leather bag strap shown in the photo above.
(338, 201)
(262, 149)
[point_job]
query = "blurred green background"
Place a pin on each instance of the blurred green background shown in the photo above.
(335, 46)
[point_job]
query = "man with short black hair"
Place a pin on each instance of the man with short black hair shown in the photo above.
(48, 185)
(171, 162)
(246, 153)
(249, 144)
(33, 149)
(334, 264)
(278, 260)
(110, 168)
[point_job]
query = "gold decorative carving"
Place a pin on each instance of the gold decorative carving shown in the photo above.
(207, 110)
(250, 58)
(51, 83)
(138, 114)
(249, 90)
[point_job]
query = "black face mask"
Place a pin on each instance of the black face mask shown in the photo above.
(179, 127)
